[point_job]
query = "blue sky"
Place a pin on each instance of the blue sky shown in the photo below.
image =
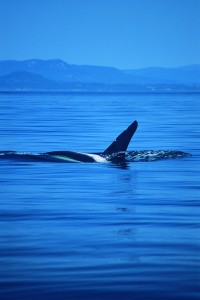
(119, 33)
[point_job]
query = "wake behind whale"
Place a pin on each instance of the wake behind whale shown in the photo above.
(116, 153)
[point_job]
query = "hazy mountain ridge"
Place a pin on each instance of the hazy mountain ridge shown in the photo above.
(61, 71)
(181, 75)
(58, 75)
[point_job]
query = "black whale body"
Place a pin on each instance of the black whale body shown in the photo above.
(116, 152)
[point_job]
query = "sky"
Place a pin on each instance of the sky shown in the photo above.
(125, 34)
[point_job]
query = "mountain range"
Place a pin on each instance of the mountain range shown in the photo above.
(57, 75)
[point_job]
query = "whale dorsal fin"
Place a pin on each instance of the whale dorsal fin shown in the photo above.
(121, 143)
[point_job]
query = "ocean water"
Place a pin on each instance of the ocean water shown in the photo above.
(90, 231)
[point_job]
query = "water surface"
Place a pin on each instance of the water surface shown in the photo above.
(98, 231)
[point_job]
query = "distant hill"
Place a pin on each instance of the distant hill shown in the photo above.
(182, 75)
(58, 75)
(61, 71)
(27, 80)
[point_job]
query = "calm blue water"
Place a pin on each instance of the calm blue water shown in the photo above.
(97, 231)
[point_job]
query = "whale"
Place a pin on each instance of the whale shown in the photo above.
(116, 152)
